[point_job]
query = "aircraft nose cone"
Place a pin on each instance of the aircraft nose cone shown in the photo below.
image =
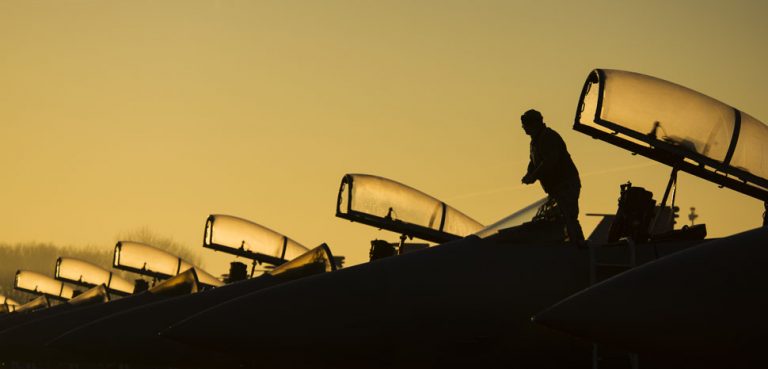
(704, 303)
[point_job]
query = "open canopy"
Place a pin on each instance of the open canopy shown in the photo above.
(384, 203)
(678, 127)
(41, 284)
(150, 261)
(247, 239)
(86, 274)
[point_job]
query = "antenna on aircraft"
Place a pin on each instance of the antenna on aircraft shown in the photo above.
(692, 216)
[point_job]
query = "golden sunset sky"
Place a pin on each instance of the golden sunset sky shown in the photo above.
(118, 115)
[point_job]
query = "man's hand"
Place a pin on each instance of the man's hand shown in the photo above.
(528, 178)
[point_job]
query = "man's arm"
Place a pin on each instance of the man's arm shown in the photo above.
(527, 179)
(531, 175)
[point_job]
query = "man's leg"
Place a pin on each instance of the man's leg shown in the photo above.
(568, 202)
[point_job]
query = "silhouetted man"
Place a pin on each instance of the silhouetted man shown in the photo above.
(552, 166)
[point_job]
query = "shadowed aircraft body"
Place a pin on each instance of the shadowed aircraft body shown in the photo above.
(137, 328)
(95, 295)
(469, 301)
(472, 299)
(702, 307)
(410, 310)
(128, 255)
(49, 326)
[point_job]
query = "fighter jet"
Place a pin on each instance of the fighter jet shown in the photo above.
(701, 307)
(137, 318)
(49, 288)
(421, 308)
(37, 284)
(138, 327)
(469, 301)
(123, 335)
(28, 332)
(27, 341)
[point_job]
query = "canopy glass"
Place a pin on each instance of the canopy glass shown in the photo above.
(244, 238)
(86, 274)
(147, 260)
(676, 126)
(41, 284)
(387, 204)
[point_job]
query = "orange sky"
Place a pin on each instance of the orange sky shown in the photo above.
(117, 115)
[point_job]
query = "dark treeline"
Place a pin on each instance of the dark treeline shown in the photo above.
(41, 258)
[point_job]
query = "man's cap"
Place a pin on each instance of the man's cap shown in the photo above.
(532, 116)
